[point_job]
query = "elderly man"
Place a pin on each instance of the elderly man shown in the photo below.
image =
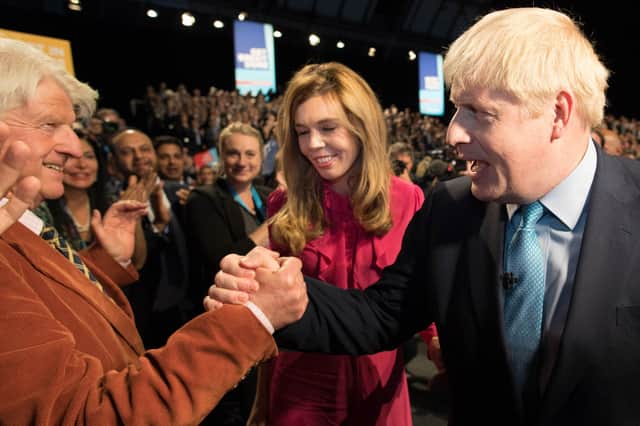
(69, 348)
(528, 265)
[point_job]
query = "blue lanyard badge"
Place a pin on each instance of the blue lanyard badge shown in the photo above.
(260, 208)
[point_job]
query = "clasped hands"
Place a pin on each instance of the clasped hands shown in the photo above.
(274, 284)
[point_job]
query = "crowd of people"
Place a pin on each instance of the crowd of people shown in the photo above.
(149, 217)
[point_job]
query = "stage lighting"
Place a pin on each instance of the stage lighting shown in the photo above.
(277, 34)
(188, 19)
(412, 55)
(152, 13)
(340, 44)
(74, 5)
(218, 24)
(314, 40)
(372, 52)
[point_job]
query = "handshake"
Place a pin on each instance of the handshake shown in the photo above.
(272, 283)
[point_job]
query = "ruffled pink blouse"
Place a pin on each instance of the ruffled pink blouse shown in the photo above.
(347, 257)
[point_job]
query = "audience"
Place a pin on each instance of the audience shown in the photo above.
(223, 217)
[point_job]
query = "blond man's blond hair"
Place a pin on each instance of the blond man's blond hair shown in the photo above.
(531, 54)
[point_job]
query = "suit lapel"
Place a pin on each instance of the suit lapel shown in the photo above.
(484, 258)
(484, 249)
(608, 240)
(49, 263)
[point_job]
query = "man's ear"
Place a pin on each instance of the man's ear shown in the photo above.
(563, 112)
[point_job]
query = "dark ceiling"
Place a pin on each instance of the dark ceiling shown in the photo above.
(389, 23)
(414, 24)
(392, 26)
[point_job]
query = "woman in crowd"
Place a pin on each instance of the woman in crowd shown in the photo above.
(344, 215)
(225, 217)
(228, 216)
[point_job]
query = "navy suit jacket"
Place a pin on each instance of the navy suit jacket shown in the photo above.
(448, 272)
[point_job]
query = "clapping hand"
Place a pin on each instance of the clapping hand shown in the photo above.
(116, 230)
(139, 189)
(149, 189)
(183, 195)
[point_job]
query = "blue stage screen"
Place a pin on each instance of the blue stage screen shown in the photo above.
(254, 57)
(431, 84)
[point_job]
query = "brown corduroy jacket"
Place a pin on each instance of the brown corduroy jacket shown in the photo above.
(71, 355)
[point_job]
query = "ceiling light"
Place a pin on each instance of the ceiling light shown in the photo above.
(372, 52)
(277, 34)
(314, 40)
(188, 19)
(242, 16)
(340, 44)
(74, 5)
(412, 55)
(151, 13)
(218, 24)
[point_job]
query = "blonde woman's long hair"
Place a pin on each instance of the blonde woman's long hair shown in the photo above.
(302, 219)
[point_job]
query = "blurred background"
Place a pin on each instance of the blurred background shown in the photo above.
(119, 48)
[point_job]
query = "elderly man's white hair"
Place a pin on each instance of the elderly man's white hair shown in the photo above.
(22, 67)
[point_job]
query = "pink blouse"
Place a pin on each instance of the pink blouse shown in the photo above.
(346, 255)
(308, 385)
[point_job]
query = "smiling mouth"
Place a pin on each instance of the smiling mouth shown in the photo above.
(324, 159)
(55, 167)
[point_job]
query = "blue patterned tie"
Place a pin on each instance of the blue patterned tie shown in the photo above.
(51, 236)
(524, 302)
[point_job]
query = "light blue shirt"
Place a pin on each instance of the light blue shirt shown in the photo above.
(560, 234)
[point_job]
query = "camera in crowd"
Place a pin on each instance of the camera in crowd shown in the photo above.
(109, 128)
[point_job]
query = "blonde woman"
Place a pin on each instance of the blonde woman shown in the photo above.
(343, 214)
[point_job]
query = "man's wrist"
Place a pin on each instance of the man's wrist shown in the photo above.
(260, 316)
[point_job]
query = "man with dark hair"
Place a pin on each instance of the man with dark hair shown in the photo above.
(158, 299)
(401, 156)
(171, 156)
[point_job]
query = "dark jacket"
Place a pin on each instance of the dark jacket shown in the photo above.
(215, 228)
(448, 272)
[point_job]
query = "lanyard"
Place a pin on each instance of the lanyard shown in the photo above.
(260, 210)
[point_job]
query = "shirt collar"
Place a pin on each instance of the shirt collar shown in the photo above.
(566, 201)
(28, 219)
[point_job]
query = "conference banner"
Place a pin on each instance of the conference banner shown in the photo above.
(57, 48)
(431, 84)
(206, 158)
(254, 57)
